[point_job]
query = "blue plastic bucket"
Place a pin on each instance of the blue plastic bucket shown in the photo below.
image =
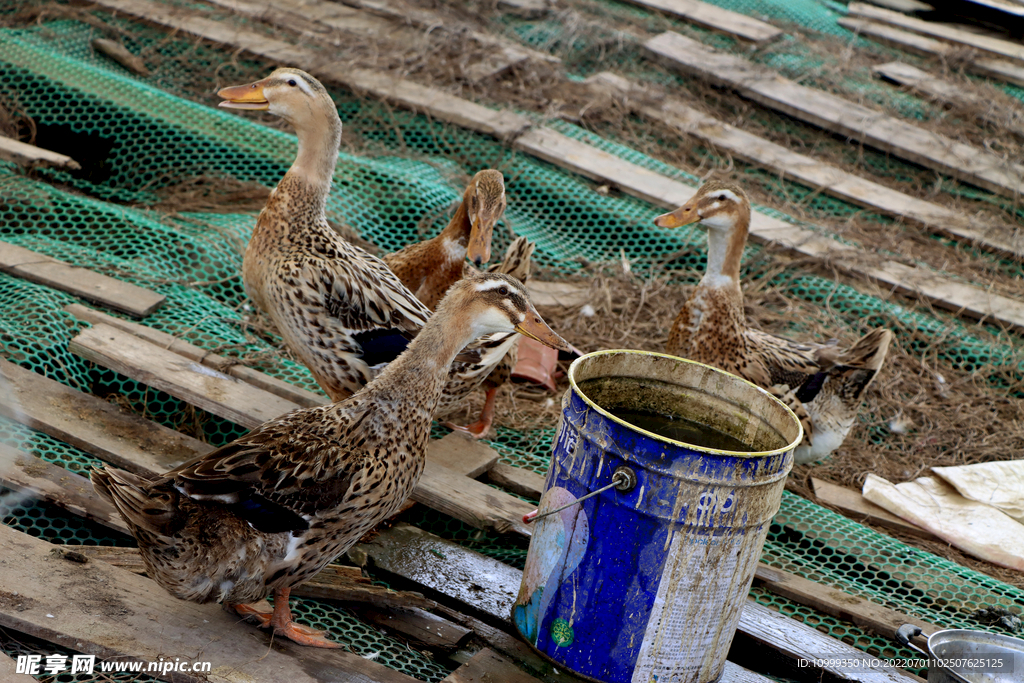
(647, 584)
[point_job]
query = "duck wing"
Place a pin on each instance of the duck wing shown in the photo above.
(279, 476)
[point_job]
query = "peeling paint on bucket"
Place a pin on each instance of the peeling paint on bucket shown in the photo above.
(647, 585)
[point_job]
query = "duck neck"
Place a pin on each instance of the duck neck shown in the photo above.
(455, 236)
(725, 250)
(319, 140)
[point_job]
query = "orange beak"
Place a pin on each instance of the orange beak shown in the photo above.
(534, 327)
(244, 97)
(684, 215)
(481, 229)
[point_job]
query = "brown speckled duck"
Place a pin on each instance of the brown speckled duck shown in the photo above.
(340, 310)
(820, 382)
(430, 267)
(271, 509)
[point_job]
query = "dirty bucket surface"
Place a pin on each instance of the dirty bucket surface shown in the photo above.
(647, 584)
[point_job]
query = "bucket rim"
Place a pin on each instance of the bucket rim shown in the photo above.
(664, 439)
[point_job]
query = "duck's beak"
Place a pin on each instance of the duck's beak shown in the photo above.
(534, 327)
(244, 96)
(481, 229)
(684, 215)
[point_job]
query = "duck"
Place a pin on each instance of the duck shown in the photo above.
(269, 510)
(822, 383)
(340, 310)
(430, 267)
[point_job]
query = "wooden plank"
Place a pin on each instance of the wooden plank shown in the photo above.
(8, 669)
(82, 282)
(821, 176)
(96, 608)
(462, 454)
(875, 128)
(472, 502)
(228, 366)
(999, 69)
(103, 429)
(420, 626)
(36, 478)
(593, 163)
(859, 509)
(560, 293)
(197, 384)
(710, 16)
(839, 604)
(800, 641)
(28, 155)
(487, 666)
(952, 94)
(517, 480)
(379, 84)
(485, 585)
(908, 6)
(992, 46)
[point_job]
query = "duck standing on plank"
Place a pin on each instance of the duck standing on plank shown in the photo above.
(821, 383)
(340, 310)
(271, 509)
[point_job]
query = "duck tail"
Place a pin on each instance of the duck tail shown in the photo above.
(517, 259)
(868, 353)
(145, 505)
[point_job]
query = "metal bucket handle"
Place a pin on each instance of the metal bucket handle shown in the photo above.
(623, 479)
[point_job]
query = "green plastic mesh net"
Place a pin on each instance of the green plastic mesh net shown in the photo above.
(135, 137)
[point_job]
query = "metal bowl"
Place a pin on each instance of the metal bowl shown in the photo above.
(964, 656)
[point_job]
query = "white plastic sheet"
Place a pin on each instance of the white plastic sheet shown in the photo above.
(997, 483)
(976, 528)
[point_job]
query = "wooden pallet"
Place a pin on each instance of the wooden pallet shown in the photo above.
(818, 175)
(716, 18)
(841, 116)
(990, 67)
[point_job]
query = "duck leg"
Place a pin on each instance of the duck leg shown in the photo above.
(482, 427)
(281, 621)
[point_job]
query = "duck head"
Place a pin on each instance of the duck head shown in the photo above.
(485, 204)
(717, 206)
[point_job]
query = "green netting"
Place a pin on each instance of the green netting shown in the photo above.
(137, 138)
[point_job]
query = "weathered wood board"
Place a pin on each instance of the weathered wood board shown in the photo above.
(593, 163)
(98, 609)
(993, 46)
(819, 175)
(837, 603)
(81, 282)
(1005, 117)
(419, 626)
(999, 69)
(713, 17)
(887, 133)
(28, 155)
(487, 666)
(209, 389)
(228, 366)
(36, 478)
(103, 429)
(483, 584)
(517, 480)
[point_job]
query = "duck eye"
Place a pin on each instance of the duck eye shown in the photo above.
(292, 82)
(503, 291)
